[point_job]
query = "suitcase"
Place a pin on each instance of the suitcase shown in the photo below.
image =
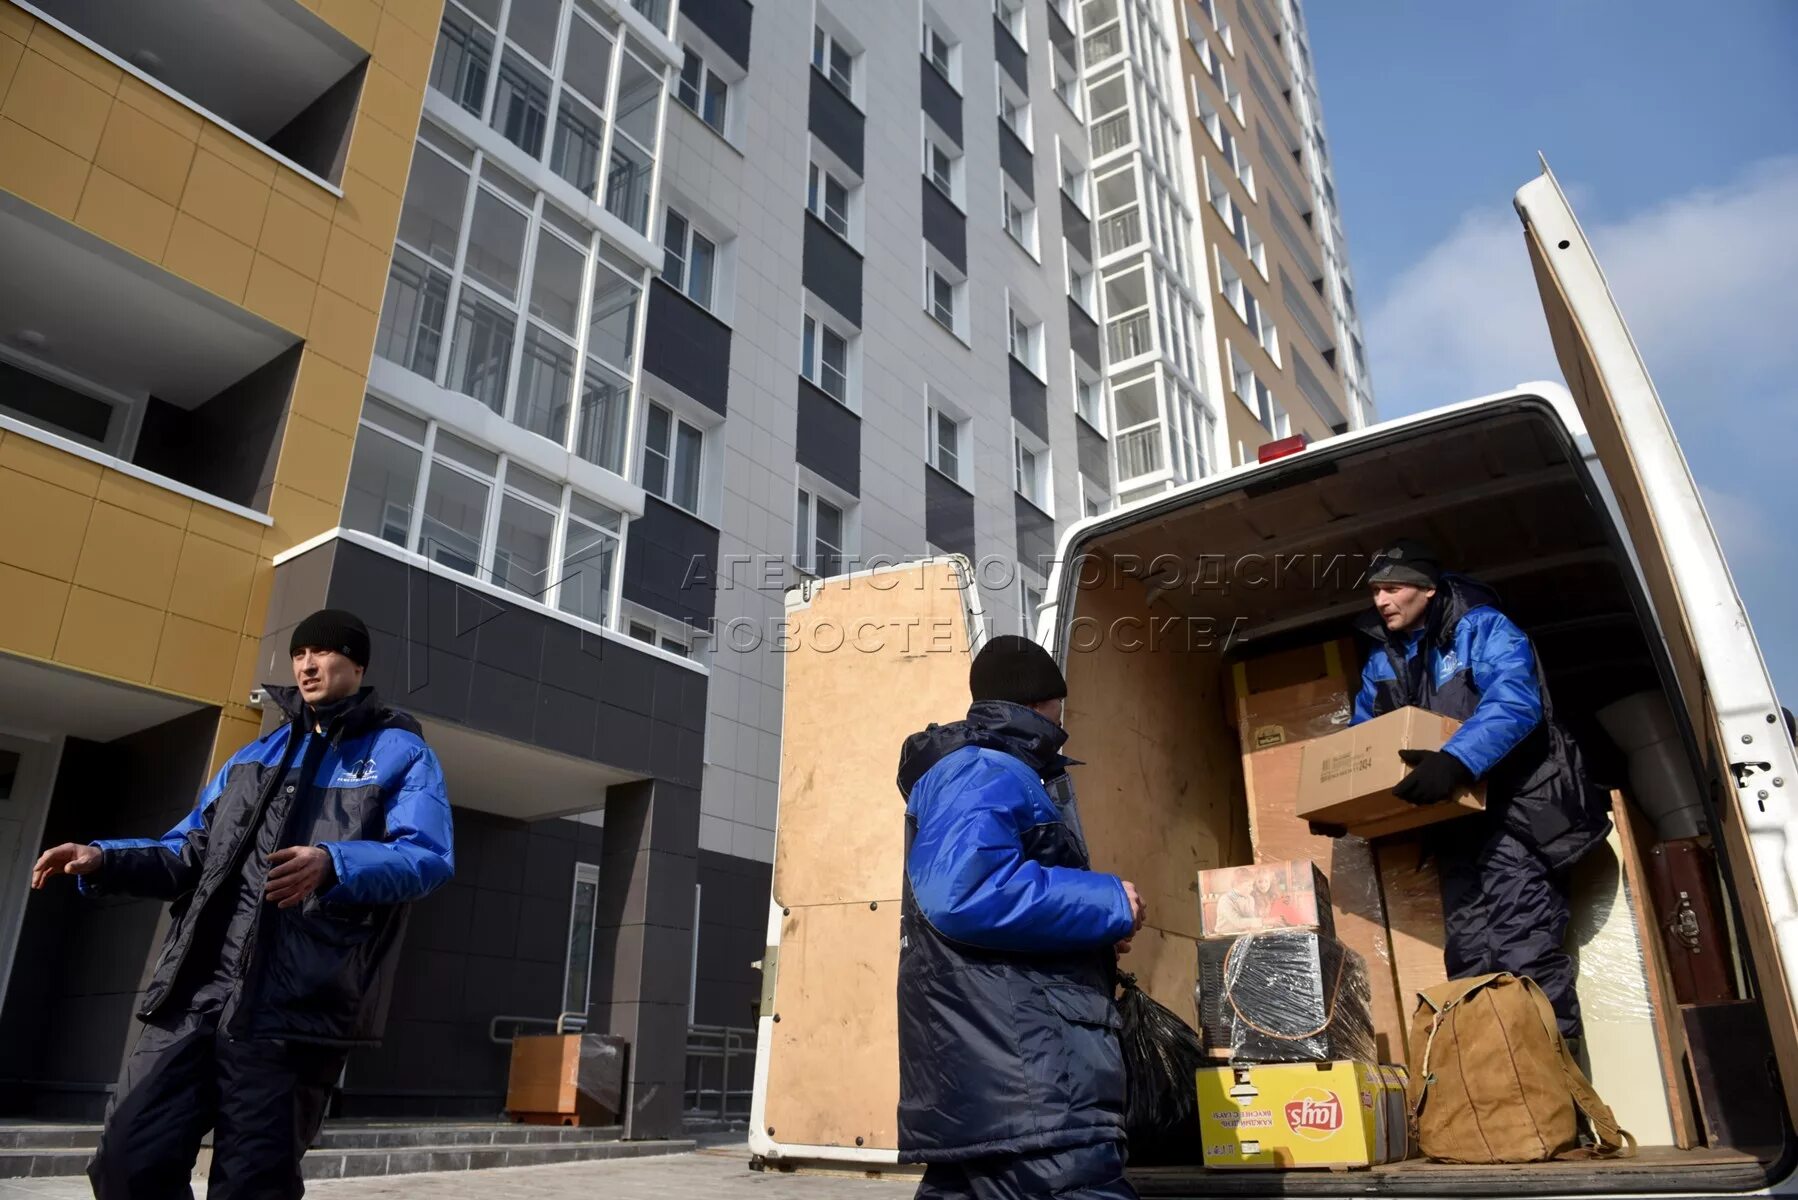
(1688, 907)
(1731, 1056)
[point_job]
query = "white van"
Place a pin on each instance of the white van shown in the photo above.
(1576, 503)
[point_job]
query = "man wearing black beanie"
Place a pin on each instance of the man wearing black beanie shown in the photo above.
(290, 879)
(1007, 954)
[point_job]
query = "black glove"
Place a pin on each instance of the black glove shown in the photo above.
(1436, 775)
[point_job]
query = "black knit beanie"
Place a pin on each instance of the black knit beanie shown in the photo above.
(1406, 561)
(1017, 670)
(333, 629)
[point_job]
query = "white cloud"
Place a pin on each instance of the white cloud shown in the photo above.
(1705, 281)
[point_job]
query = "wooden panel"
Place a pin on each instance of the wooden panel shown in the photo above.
(1161, 790)
(875, 657)
(833, 1065)
(542, 1077)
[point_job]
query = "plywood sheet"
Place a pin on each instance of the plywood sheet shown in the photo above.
(1161, 787)
(833, 1065)
(1412, 892)
(873, 658)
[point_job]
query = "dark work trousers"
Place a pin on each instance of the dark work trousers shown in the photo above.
(263, 1099)
(1084, 1173)
(1505, 910)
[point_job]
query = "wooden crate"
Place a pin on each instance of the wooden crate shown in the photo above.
(566, 1079)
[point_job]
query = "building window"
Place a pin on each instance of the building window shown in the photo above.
(689, 260)
(654, 629)
(943, 164)
(1031, 476)
(703, 91)
(1075, 178)
(942, 54)
(1025, 339)
(583, 910)
(942, 298)
(824, 358)
(1011, 15)
(1030, 600)
(673, 454)
(1067, 84)
(834, 59)
(1081, 285)
(827, 198)
(1089, 396)
(1019, 214)
(948, 446)
(1014, 108)
(821, 534)
(1258, 396)
(424, 489)
(1095, 498)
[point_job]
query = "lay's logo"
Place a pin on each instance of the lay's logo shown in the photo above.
(1314, 1113)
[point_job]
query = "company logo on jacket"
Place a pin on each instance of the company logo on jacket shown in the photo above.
(1447, 666)
(356, 773)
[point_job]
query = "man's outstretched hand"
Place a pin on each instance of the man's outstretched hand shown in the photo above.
(70, 858)
(1137, 911)
(296, 872)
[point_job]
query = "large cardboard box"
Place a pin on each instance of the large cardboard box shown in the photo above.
(1290, 995)
(1267, 895)
(1292, 695)
(1337, 1114)
(1347, 778)
(566, 1079)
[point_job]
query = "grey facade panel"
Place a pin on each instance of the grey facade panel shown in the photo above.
(1016, 159)
(687, 346)
(1075, 227)
(733, 927)
(1036, 534)
(1083, 334)
(948, 514)
(1013, 58)
(942, 103)
(1062, 38)
(670, 559)
(828, 441)
(832, 269)
(1095, 452)
(945, 226)
(1029, 399)
(1316, 394)
(836, 121)
(726, 22)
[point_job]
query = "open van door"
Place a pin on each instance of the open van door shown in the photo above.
(1722, 681)
(870, 658)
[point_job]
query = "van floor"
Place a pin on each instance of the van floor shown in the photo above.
(1652, 1169)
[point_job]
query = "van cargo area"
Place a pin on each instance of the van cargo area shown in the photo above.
(1268, 574)
(1159, 605)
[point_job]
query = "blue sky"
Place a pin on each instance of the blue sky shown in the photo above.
(1675, 129)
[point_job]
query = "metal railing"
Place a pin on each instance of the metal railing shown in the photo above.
(1130, 337)
(1120, 230)
(719, 1083)
(1104, 44)
(1139, 451)
(1111, 134)
(568, 1022)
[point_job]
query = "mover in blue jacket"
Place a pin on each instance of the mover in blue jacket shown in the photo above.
(1011, 1077)
(1443, 645)
(290, 882)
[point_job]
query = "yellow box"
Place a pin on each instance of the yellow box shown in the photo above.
(1286, 1115)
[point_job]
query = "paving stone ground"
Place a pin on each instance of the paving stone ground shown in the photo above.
(719, 1173)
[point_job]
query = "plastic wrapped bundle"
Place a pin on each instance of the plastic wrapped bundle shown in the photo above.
(1290, 996)
(1162, 1055)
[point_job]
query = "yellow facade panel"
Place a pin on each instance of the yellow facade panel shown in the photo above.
(234, 733)
(16, 23)
(109, 636)
(237, 532)
(48, 541)
(294, 236)
(226, 198)
(355, 269)
(215, 261)
(307, 194)
(314, 459)
(51, 100)
(129, 556)
(143, 151)
(262, 585)
(424, 16)
(212, 582)
(39, 171)
(251, 160)
(10, 53)
(279, 294)
(145, 499)
(355, 19)
(28, 456)
(342, 331)
(328, 393)
(195, 659)
(298, 517)
(125, 215)
(244, 671)
(30, 611)
(404, 51)
(381, 154)
(367, 209)
(177, 118)
(391, 100)
(71, 55)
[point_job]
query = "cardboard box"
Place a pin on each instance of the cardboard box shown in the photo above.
(1347, 778)
(1293, 695)
(1285, 996)
(566, 1079)
(1336, 1114)
(1268, 895)
(1271, 779)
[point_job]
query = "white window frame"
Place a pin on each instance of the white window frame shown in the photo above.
(1008, 92)
(1011, 15)
(938, 407)
(815, 323)
(677, 419)
(818, 175)
(711, 302)
(935, 140)
(1083, 283)
(1068, 86)
(1023, 325)
(1023, 230)
(704, 89)
(1095, 498)
(1033, 591)
(936, 267)
(808, 489)
(1025, 442)
(828, 35)
(1081, 374)
(950, 69)
(1081, 194)
(634, 620)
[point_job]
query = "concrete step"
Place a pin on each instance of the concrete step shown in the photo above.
(396, 1136)
(44, 1135)
(343, 1163)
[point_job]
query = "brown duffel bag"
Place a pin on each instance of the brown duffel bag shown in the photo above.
(1493, 1081)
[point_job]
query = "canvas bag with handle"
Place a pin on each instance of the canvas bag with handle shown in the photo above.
(1495, 1082)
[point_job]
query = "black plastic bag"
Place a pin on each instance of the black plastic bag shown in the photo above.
(1162, 1057)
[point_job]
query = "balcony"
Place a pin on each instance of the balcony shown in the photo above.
(1140, 454)
(1112, 134)
(1120, 231)
(1106, 43)
(1130, 337)
(131, 363)
(273, 70)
